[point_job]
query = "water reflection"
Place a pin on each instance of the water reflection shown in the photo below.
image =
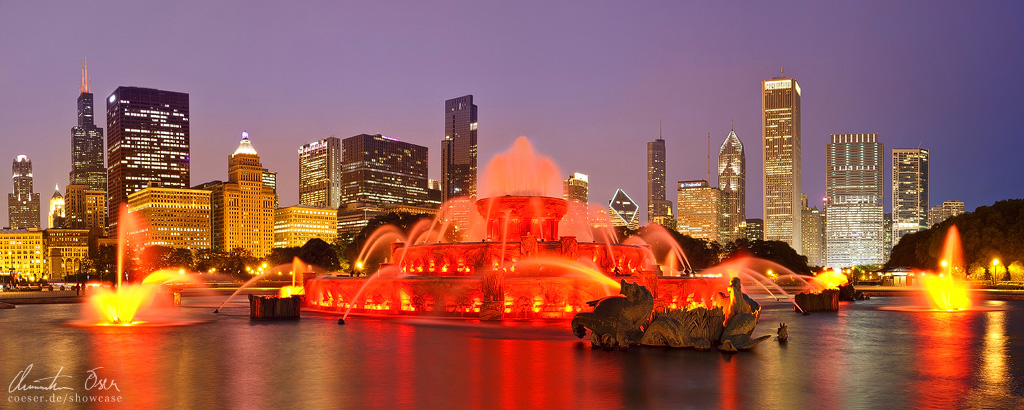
(860, 358)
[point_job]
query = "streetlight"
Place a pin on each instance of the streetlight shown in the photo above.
(995, 262)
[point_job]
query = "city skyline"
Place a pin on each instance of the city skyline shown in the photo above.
(615, 107)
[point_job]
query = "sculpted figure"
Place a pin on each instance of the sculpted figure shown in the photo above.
(667, 331)
(616, 320)
(740, 302)
(737, 332)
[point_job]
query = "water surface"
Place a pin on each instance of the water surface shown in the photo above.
(861, 357)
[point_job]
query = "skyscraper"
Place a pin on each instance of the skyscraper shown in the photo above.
(382, 171)
(242, 208)
(854, 217)
(84, 208)
(754, 229)
(658, 209)
(458, 149)
(270, 180)
(56, 214)
(780, 105)
(147, 141)
(576, 188)
(623, 211)
(909, 192)
(87, 142)
(23, 204)
(732, 182)
(320, 173)
(697, 206)
(813, 235)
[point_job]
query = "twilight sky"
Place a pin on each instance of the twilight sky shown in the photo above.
(586, 82)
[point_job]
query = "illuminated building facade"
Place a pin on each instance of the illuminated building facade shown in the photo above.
(296, 225)
(147, 141)
(909, 191)
(732, 184)
(23, 204)
(66, 251)
(56, 214)
(939, 213)
(22, 251)
(754, 229)
(84, 208)
(353, 217)
(270, 180)
(813, 235)
(623, 211)
(242, 207)
(854, 214)
(383, 171)
(697, 205)
(576, 188)
(659, 210)
(458, 149)
(320, 173)
(780, 105)
(87, 166)
(174, 217)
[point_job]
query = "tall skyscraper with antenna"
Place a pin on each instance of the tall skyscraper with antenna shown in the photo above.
(87, 166)
(659, 210)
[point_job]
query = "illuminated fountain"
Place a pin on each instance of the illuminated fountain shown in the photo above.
(944, 291)
(518, 253)
(140, 303)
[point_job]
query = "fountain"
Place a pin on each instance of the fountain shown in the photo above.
(520, 253)
(944, 291)
(133, 304)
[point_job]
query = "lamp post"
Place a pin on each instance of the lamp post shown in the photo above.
(995, 262)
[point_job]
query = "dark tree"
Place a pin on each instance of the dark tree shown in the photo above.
(319, 253)
(990, 232)
(775, 251)
(236, 261)
(281, 256)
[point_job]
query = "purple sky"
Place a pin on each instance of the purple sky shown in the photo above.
(586, 83)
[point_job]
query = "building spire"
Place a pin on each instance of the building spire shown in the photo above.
(85, 76)
(659, 128)
(732, 125)
(709, 158)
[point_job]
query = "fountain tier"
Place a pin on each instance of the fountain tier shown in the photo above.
(522, 269)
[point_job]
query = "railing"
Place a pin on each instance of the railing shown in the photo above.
(36, 294)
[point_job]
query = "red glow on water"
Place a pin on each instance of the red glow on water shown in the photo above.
(943, 362)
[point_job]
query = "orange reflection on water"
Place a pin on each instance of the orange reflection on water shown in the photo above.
(943, 361)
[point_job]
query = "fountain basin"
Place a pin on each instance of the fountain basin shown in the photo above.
(494, 296)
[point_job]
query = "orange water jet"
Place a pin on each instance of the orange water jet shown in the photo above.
(946, 292)
(828, 279)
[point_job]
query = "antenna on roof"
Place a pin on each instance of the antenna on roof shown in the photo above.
(709, 159)
(85, 77)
